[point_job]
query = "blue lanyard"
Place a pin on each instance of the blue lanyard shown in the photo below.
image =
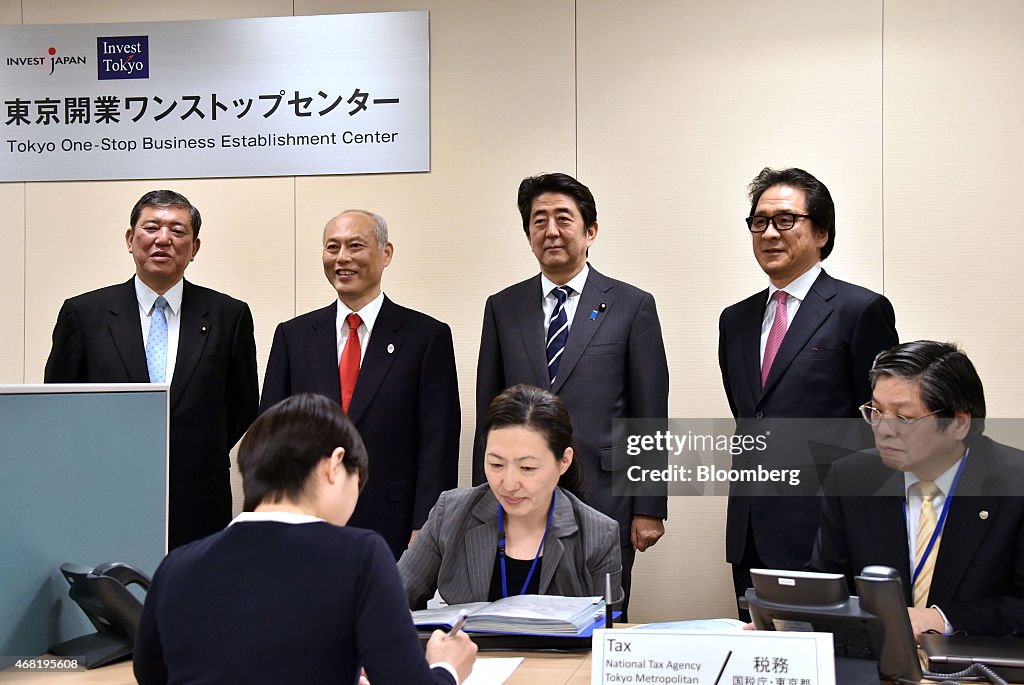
(940, 523)
(501, 547)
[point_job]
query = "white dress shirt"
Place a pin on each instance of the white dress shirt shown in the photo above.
(796, 292)
(368, 314)
(549, 301)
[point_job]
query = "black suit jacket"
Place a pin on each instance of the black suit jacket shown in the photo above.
(613, 366)
(214, 391)
(979, 571)
(270, 602)
(405, 405)
(820, 372)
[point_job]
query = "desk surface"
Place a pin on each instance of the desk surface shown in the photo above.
(556, 669)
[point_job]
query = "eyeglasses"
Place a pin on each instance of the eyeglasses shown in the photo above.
(899, 424)
(782, 222)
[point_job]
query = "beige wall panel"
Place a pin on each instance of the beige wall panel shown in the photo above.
(75, 243)
(680, 105)
(12, 283)
(954, 159)
(501, 109)
(117, 11)
(10, 11)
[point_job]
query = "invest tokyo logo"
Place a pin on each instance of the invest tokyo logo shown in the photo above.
(122, 57)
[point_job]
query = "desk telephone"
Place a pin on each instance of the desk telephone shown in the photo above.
(102, 593)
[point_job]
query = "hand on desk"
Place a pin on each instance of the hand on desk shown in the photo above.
(458, 650)
(646, 531)
(923, 620)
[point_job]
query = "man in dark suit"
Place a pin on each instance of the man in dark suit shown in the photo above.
(593, 341)
(158, 327)
(799, 350)
(396, 379)
(947, 510)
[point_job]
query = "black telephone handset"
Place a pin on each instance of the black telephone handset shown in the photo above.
(103, 595)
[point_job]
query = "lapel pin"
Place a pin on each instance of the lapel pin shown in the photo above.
(983, 515)
(593, 315)
(202, 329)
(601, 307)
(391, 348)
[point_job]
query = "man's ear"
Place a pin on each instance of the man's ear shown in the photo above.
(961, 425)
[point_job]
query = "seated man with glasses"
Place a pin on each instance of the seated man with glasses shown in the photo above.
(936, 500)
(800, 349)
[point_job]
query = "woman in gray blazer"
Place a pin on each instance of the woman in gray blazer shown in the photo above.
(525, 531)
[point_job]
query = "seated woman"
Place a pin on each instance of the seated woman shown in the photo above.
(285, 593)
(524, 531)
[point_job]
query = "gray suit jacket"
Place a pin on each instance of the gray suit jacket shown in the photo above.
(454, 552)
(614, 366)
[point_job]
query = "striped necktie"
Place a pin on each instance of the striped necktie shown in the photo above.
(558, 331)
(775, 335)
(925, 529)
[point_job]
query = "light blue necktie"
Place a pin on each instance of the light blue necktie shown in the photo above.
(156, 347)
(558, 331)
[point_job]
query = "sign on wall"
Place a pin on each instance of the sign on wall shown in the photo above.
(278, 96)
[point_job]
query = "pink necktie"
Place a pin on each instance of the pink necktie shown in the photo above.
(775, 335)
(348, 368)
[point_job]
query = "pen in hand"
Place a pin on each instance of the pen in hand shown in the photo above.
(457, 626)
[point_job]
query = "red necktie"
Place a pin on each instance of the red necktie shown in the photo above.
(348, 369)
(775, 335)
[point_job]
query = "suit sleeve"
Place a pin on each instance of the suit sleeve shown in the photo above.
(875, 331)
(420, 564)
(277, 383)
(148, 653)
(605, 558)
(647, 379)
(490, 380)
(723, 363)
(387, 643)
(440, 424)
(243, 378)
(66, 363)
(830, 554)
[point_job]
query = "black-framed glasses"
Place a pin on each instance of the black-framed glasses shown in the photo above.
(782, 222)
(899, 424)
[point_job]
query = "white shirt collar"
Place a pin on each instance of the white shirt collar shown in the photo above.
(943, 482)
(800, 286)
(147, 296)
(368, 314)
(278, 516)
(576, 282)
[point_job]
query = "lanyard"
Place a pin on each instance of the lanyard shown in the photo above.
(501, 546)
(940, 523)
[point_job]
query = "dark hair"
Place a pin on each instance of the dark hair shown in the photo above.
(565, 184)
(285, 444)
(166, 198)
(542, 411)
(819, 201)
(948, 380)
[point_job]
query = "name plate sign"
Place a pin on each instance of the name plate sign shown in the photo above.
(674, 657)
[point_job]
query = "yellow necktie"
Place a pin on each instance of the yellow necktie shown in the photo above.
(925, 529)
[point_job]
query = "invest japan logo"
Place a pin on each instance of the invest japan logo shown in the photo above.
(122, 57)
